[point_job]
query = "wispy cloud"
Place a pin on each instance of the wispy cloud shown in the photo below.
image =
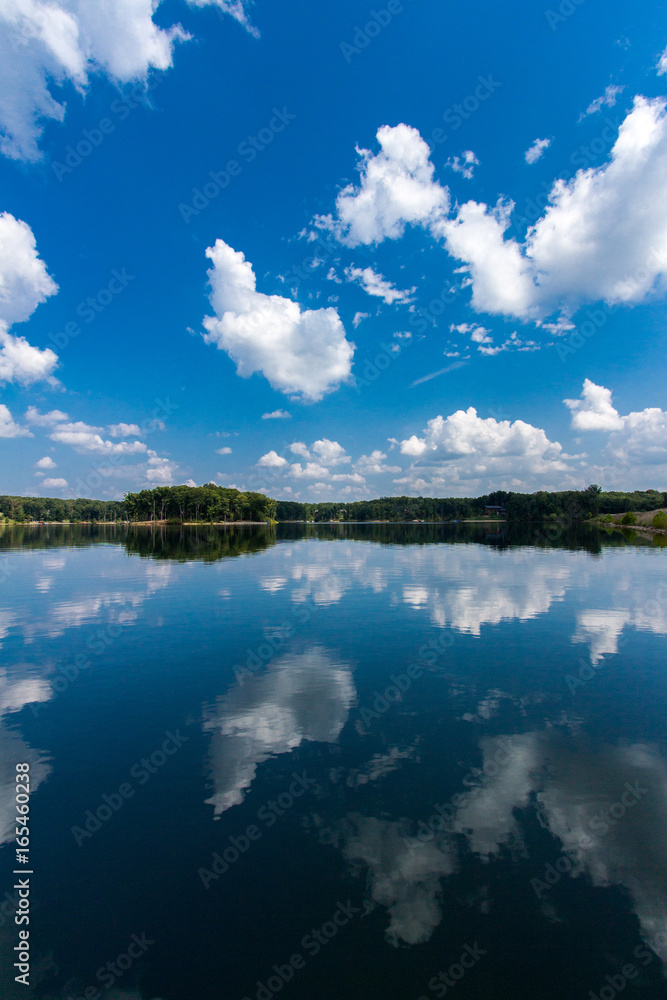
(607, 100)
(441, 371)
(537, 150)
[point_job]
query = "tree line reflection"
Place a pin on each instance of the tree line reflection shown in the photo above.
(210, 543)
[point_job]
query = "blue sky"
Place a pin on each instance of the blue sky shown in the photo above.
(332, 250)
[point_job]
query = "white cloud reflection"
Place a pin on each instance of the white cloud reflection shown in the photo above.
(575, 786)
(15, 694)
(406, 882)
(305, 696)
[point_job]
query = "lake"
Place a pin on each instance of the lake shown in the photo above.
(312, 761)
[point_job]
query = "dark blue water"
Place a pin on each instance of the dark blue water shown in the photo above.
(375, 761)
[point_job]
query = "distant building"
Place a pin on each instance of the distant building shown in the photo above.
(495, 511)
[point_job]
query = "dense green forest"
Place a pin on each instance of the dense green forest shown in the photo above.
(176, 503)
(211, 503)
(199, 503)
(572, 505)
(53, 509)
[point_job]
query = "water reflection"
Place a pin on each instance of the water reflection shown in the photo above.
(461, 588)
(606, 805)
(405, 881)
(600, 630)
(213, 542)
(580, 782)
(301, 697)
(17, 689)
(605, 808)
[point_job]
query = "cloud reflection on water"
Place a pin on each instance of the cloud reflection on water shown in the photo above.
(301, 697)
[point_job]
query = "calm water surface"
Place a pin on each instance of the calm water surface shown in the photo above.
(376, 761)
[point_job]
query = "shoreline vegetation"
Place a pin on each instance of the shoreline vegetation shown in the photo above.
(218, 505)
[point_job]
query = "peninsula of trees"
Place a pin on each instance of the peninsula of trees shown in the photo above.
(217, 504)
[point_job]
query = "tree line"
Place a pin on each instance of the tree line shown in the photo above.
(199, 503)
(567, 505)
(22, 509)
(212, 503)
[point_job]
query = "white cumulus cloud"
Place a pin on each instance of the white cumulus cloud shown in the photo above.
(45, 463)
(132, 430)
(24, 283)
(272, 460)
(397, 188)
(330, 452)
(85, 438)
(161, 471)
(465, 446)
(637, 440)
(34, 416)
(319, 459)
(499, 273)
(643, 439)
(8, 427)
(277, 415)
(373, 464)
(311, 470)
(55, 484)
(47, 43)
(594, 411)
(602, 237)
(300, 352)
(300, 448)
